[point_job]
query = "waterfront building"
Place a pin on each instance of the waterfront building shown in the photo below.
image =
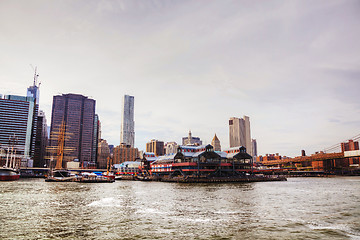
(171, 147)
(216, 143)
(78, 114)
(16, 121)
(239, 133)
(124, 153)
(190, 140)
(127, 124)
(156, 147)
(41, 141)
(203, 162)
(103, 154)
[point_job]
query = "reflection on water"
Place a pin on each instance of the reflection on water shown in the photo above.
(301, 208)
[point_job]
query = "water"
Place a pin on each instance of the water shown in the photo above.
(301, 208)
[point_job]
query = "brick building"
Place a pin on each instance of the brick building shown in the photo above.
(124, 153)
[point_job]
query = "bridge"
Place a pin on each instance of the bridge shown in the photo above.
(316, 157)
(346, 159)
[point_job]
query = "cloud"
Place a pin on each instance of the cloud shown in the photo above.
(290, 66)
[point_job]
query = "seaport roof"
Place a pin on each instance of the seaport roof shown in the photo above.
(207, 154)
(222, 154)
(127, 164)
(239, 155)
(192, 146)
(165, 158)
(232, 148)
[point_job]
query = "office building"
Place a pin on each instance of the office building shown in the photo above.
(156, 147)
(96, 137)
(239, 133)
(127, 124)
(190, 140)
(16, 122)
(41, 141)
(216, 143)
(78, 114)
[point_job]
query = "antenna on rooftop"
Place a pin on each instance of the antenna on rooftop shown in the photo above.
(36, 76)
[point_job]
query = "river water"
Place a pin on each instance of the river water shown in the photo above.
(301, 208)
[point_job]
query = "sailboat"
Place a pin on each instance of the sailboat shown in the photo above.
(60, 174)
(10, 171)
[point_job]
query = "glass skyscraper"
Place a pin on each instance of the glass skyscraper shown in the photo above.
(127, 124)
(78, 114)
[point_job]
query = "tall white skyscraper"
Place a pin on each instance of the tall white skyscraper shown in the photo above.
(239, 133)
(127, 124)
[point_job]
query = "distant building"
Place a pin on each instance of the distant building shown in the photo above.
(16, 122)
(103, 154)
(254, 147)
(78, 114)
(190, 140)
(239, 133)
(96, 137)
(111, 146)
(124, 153)
(171, 147)
(155, 146)
(41, 141)
(128, 125)
(216, 143)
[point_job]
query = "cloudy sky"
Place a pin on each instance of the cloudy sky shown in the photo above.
(293, 67)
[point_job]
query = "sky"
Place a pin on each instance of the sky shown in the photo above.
(292, 66)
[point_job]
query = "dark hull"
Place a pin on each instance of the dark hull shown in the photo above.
(9, 174)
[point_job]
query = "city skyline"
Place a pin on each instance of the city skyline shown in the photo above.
(292, 67)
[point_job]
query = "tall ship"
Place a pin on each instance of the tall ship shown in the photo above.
(59, 174)
(11, 170)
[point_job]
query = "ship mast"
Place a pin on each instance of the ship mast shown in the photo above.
(60, 149)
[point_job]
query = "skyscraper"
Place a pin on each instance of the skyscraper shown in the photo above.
(96, 137)
(254, 148)
(239, 133)
(16, 121)
(41, 140)
(127, 124)
(78, 114)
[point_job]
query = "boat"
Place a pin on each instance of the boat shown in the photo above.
(10, 171)
(9, 174)
(95, 178)
(60, 175)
